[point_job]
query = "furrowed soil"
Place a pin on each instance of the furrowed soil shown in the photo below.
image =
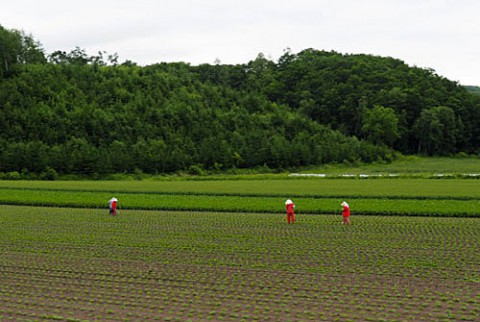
(84, 265)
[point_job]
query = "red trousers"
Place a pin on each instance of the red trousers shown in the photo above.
(290, 217)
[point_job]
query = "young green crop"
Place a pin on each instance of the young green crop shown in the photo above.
(82, 264)
(452, 197)
(236, 203)
(342, 188)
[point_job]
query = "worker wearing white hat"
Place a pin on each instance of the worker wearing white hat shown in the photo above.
(290, 206)
(112, 204)
(345, 213)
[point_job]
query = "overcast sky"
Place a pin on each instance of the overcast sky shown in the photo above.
(443, 35)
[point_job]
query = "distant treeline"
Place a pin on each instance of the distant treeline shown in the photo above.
(473, 89)
(74, 113)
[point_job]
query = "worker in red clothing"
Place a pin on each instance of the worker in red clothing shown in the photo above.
(112, 204)
(290, 206)
(345, 213)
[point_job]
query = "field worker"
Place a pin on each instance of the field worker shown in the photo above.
(290, 206)
(345, 213)
(112, 204)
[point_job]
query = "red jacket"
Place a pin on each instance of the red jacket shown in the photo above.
(290, 207)
(346, 211)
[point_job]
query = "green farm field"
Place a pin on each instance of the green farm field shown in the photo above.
(213, 250)
(400, 196)
(70, 264)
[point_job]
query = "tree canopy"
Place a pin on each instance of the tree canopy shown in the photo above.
(72, 113)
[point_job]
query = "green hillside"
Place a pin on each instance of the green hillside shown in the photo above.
(73, 113)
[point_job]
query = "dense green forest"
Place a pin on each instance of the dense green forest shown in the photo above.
(67, 112)
(473, 89)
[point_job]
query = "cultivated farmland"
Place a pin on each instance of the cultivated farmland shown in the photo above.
(422, 197)
(80, 264)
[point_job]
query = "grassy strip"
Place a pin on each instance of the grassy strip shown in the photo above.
(408, 166)
(219, 194)
(222, 194)
(403, 188)
(240, 204)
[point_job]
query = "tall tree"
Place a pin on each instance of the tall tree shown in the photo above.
(380, 125)
(9, 49)
(16, 47)
(436, 132)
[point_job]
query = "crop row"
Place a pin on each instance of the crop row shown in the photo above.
(305, 205)
(271, 195)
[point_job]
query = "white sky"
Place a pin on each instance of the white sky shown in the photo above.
(443, 35)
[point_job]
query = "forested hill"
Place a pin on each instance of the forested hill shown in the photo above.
(71, 113)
